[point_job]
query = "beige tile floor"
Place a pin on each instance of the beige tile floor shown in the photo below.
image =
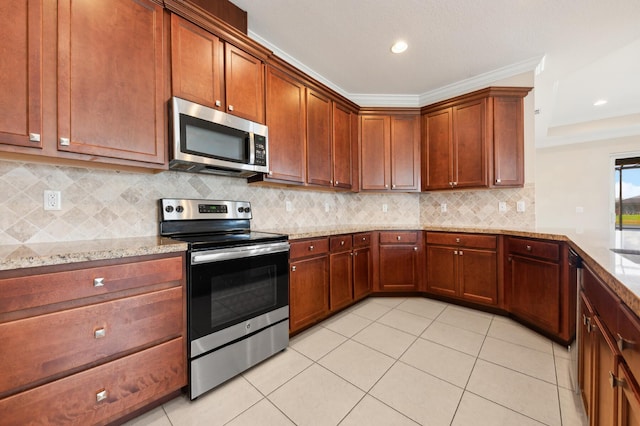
(396, 361)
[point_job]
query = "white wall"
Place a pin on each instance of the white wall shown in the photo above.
(578, 175)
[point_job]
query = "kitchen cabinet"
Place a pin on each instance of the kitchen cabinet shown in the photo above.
(344, 146)
(400, 261)
(21, 75)
(341, 272)
(362, 265)
(119, 328)
(628, 398)
(462, 266)
(319, 160)
(475, 140)
(209, 71)
(308, 282)
(111, 79)
(389, 150)
(537, 287)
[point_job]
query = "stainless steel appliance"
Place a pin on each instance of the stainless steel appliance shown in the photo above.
(206, 140)
(575, 281)
(237, 288)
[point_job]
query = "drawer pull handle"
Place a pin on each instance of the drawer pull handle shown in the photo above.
(311, 248)
(342, 242)
(615, 381)
(624, 343)
(528, 248)
(399, 237)
(100, 333)
(98, 282)
(101, 396)
(457, 240)
(293, 269)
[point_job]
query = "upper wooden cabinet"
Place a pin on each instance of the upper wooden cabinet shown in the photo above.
(343, 146)
(389, 150)
(475, 140)
(318, 139)
(208, 71)
(111, 80)
(20, 73)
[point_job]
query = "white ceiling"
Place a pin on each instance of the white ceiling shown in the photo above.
(584, 50)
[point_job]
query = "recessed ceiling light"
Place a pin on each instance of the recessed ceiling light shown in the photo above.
(399, 47)
(600, 102)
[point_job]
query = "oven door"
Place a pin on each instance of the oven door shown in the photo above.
(235, 292)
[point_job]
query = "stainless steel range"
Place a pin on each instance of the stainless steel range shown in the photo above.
(237, 285)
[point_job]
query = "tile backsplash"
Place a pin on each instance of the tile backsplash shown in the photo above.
(99, 204)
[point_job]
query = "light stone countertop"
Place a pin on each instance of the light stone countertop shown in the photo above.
(45, 254)
(621, 274)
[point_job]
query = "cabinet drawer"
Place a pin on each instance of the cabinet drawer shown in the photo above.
(362, 239)
(102, 394)
(628, 338)
(399, 237)
(309, 247)
(45, 289)
(49, 345)
(462, 240)
(341, 243)
(537, 248)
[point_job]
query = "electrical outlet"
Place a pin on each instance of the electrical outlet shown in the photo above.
(385, 208)
(443, 207)
(502, 206)
(326, 207)
(52, 200)
(520, 206)
(288, 206)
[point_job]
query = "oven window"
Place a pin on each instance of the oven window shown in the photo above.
(228, 292)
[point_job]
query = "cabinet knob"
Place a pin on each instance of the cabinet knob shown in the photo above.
(498, 180)
(311, 248)
(364, 238)
(342, 242)
(101, 395)
(460, 253)
(528, 248)
(415, 249)
(455, 183)
(457, 240)
(98, 282)
(624, 343)
(399, 237)
(386, 186)
(293, 269)
(393, 186)
(615, 381)
(337, 183)
(270, 172)
(230, 107)
(65, 142)
(218, 103)
(355, 254)
(100, 333)
(34, 137)
(455, 252)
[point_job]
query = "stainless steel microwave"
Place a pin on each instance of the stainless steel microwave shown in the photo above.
(206, 140)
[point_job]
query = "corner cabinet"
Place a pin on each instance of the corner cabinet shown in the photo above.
(400, 264)
(97, 340)
(390, 150)
(475, 140)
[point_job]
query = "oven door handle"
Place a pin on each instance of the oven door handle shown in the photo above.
(237, 252)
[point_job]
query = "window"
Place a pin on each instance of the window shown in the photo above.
(627, 187)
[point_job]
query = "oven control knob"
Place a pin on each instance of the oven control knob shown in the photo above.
(240, 209)
(247, 209)
(179, 209)
(168, 209)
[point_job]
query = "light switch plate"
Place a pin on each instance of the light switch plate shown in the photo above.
(443, 207)
(502, 206)
(520, 206)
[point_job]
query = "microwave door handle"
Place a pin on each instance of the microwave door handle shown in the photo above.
(252, 148)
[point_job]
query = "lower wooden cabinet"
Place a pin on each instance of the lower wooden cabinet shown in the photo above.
(463, 266)
(341, 272)
(308, 282)
(362, 265)
(628, 398)
(89, 343)
(400, 261)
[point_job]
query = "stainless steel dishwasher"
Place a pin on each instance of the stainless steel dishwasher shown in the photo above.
(575, 280)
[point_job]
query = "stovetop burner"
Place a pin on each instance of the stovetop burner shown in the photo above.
(210, 223)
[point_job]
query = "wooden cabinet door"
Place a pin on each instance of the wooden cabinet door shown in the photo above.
(534, 291)
(196, 64)
(399, 268)
(361, 272)
(21, 73)
(286, 114)
(111, 80)
(585, 354)
(340, 280)
(375, 152)
(469, 145)
(628, 398)
(405, 153)
(244, 84)
(342, 147)
(442, 274)
(477, 275)
(437, 154)
(508, 141)
(604, 410)
(308, 291)
(318, 139)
